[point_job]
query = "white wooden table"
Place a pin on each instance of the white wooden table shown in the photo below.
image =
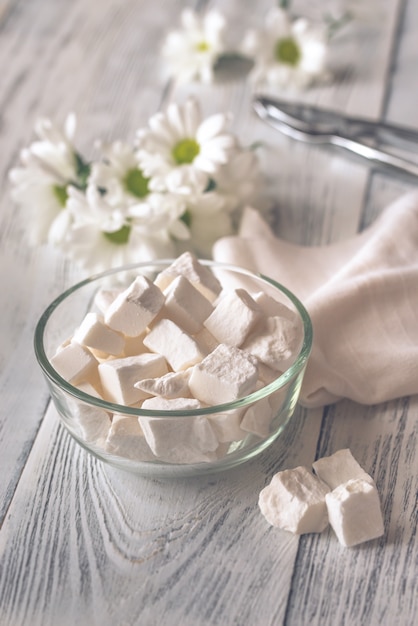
(84, 544)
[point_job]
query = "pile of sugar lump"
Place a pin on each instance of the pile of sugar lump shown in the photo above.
(181, 342)
(339, 493)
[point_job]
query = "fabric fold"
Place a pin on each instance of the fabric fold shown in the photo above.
(362, 296)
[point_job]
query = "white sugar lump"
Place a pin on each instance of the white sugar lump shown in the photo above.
(125, 438)
(257, 418)
(226, 374)
(206, 340)
(118, 376)
(94, 333)
(199, 275)
(339, 468)
(227, 426)
(75, 363)
(104, 297)
(273, 308)
(134, 308)
(277, 344)
(171, 385)
(354, 512)
(233, 318)
(168, 339)
(267, 374)
(179, 439)
(295, 501)
(185, 305)
(93, 423)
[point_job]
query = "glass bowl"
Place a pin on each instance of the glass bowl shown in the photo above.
(170, 443)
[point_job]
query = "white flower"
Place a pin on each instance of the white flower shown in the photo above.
(40, 194)
(179, 137)
(120, 175)
(207, 213)
(48, 166)
(239, 180)
(55, 150)
(286, 52)
(192, 52)
(99, 236)
(121, 180)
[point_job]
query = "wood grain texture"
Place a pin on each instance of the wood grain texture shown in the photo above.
(81, 543)
(124, 549)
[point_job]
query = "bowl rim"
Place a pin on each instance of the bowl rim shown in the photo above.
(279, 382)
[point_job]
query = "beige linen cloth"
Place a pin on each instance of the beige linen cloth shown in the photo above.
(362, 295)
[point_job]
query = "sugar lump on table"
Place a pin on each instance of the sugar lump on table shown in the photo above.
(224, 375)
(349, 496)
(295, 501)
(354, 512)
(118, 376)
(133, 309)
(338, 468)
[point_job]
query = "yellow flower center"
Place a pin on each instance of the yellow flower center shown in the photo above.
(185, 151)
(120, 236)
(60, 193)
(202, 46)
(287, 51)
(136, 183)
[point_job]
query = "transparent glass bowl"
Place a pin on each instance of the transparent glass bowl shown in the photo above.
(180, 433)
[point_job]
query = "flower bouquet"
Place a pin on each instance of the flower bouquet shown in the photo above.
(180, 185)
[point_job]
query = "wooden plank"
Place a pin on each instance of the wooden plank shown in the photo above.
(94, 545)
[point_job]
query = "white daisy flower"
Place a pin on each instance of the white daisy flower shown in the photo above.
(124, 184)
(191, 53)
(179, 137)
(239, 180)
(206, 216)
(99, 236)
(119, 175)
(287, 52)
(49, 165)
(40, 194)
(55, 150)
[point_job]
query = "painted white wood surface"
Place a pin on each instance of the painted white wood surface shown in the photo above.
(83, 544)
